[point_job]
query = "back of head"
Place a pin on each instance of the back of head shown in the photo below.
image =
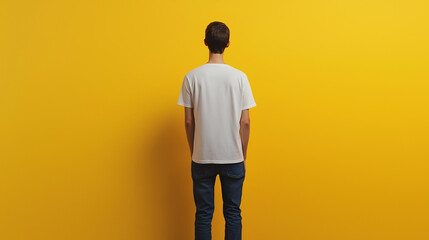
(217, 36)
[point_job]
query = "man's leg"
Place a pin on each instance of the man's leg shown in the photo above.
(232, 178)
(203, 177)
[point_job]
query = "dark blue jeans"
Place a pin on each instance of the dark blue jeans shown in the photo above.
(232, 178)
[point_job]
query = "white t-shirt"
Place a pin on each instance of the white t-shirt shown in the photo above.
(218, 93)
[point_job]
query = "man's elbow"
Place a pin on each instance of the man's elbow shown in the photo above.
(245, 122)
(189, 123)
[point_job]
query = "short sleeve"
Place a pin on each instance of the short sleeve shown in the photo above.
(247, 97)
(185, 97)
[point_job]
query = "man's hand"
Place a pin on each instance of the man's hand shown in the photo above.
(244, 155)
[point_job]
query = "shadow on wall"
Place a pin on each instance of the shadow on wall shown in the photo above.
(168, 179)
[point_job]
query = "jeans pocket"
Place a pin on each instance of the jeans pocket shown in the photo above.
(236, 170)
(198, 170)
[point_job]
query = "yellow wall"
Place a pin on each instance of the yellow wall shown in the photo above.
(93, 144)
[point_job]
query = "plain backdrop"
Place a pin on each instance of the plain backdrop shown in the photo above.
(93, 144)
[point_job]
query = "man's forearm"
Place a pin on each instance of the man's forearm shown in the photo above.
(244, 132)
(190, 128)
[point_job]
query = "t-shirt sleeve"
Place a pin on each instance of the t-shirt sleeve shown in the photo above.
(185, 97)
(247, 96)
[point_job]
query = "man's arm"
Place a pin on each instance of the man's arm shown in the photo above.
(244, 130)
(190, 127)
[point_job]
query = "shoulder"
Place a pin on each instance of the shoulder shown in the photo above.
(195, 71)
(204, 70)
(238, 72)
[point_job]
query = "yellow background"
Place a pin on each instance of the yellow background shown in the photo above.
(93, 144)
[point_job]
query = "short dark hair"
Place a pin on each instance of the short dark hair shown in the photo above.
(217, 36)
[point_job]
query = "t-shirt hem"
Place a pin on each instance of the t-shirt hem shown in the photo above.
(249, 106)
(217, 161)
(185, 105)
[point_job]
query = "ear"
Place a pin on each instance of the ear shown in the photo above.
(227, 45)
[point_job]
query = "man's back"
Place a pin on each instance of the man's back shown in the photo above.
(218, 93)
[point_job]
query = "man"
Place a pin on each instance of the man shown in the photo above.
(217, 98)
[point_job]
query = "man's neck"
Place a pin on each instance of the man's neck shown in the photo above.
(215, 58)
